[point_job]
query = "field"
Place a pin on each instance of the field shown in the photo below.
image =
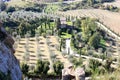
(110, 19)
(116, 3)
(45, 47)
(18, 3)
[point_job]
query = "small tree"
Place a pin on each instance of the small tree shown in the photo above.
(46, 67)
(94, 41)
(42, 67)
(108, 64)
(10, 9)
(39, 67)
(78, 23)
(58, 66)
(94, 66)
(58, 23)
(24, 68)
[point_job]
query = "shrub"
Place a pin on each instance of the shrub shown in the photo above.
(10, 9)
(58, 66)
(42, 67)
(24, 68)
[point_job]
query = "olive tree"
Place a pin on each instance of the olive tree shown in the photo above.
(24, 68)
(42, 67)
(58, 66)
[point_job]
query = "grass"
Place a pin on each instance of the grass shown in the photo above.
(69, 23)
(103, 43)
(52, 24)
(65, 35)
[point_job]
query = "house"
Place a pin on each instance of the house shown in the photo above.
(64, 23)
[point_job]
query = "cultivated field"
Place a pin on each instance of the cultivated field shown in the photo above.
(110, 19)
(19, 3)
(45, 47)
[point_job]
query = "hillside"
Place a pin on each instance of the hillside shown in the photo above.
(116, 3)
(9, 65)
(110, 19)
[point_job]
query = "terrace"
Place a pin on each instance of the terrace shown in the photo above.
(38, 51)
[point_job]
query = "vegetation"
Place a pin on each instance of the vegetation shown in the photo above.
(42, 67)
(24, 68)
(3, 76)
(58, 66)
(88, 41)
(95, 40)
(87, 4)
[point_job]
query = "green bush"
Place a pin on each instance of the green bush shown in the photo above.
(58, 66)
(24, 68)
(42, 67)
(10, 9)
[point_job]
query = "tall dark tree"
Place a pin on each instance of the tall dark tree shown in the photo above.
(94, 41)
(58, 23)
(24, 68)
(10, 9)
(78, 23)
(58, 66)
(42, 67)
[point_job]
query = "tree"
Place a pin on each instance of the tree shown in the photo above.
(61, 45)
(88, 27)
(94, 66)
(58, 23)
(85, 30)
(24, 68)
(46, 67)
(90, 2)
(94, 41)
(58, 66)
(42, 67)
(108, 64)
(39, 67)
(10, 9)
(78, 23)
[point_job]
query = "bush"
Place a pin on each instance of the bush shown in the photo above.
(24, 68)
(10, 9)
(58, 66)
(42, 67)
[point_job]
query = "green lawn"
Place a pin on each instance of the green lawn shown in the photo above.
(103, 43)
(65, 35)
(69, 23)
